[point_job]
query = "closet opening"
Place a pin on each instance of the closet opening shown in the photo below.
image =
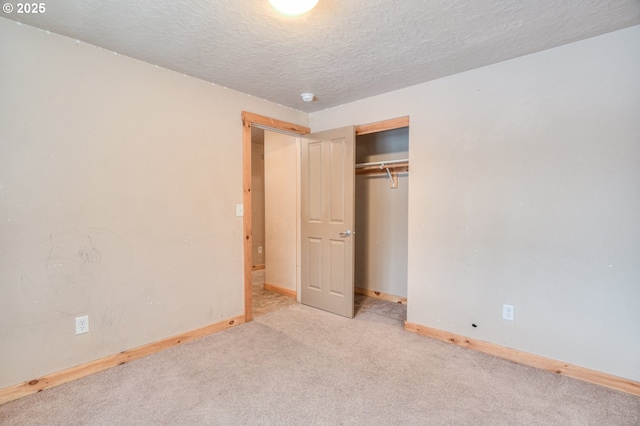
(381, 217)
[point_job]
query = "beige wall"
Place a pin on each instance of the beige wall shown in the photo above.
(118, 186)
(281, 177)
(257, 196)
(381, 216)
(525, 190)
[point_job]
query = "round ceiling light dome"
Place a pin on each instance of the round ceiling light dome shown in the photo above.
(293, 7)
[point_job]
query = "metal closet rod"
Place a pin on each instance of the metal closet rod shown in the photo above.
(381, 163)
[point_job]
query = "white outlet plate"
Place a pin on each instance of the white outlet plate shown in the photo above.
(259, 249)
(239, 210)
(82, 325)
(507, 312)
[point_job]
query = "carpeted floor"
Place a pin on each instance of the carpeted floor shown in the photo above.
(298, 365)
(265, 301)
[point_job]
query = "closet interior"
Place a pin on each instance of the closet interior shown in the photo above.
(381, 200)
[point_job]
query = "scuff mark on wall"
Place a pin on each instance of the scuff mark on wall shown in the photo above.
(62, 278)
(73, 273)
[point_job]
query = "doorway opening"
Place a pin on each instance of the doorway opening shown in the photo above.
(275, 212)
(249, 121)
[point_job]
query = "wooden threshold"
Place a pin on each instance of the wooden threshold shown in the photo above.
(554, 366)
(277, 289)
(382, 296)
(41, 383)
(381, 126)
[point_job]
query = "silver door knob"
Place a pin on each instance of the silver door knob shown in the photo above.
(346, 233)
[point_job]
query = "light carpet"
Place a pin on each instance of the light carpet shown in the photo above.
(301, 366)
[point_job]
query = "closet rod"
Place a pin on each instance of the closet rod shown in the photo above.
(381, 163)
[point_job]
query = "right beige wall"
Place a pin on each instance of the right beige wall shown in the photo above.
(525, 190)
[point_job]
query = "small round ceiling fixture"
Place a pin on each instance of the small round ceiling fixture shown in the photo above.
(308, 97)
(293, 7)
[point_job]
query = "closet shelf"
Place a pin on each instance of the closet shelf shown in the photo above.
(391, 168)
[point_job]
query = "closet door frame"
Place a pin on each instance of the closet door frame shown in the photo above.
(381, 126)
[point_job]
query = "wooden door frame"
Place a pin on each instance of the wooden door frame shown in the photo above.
(248, 120)
(381, 126)
(365, 129)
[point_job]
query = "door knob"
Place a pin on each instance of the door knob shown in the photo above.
(346, 233)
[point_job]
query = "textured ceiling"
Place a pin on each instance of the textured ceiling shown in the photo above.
(341, 51)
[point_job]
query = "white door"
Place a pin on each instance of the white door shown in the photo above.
(327, 210)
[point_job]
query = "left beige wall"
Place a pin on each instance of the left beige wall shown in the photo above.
(118, 185)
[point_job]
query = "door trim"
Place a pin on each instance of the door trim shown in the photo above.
(250, 119)
(381, 126)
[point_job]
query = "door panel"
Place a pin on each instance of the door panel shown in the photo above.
(337, 286)
(314, 263)
(314, 187)
(327, 199)
(337, 179)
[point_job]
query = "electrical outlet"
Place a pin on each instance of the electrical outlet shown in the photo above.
(507, 312)
(239, 210)
(82, 325)
(259, 249)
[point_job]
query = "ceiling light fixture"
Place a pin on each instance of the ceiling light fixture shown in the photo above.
(293, 7)
(308, 97)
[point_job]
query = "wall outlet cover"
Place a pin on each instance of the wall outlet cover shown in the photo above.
(82, 325)
(507, 312)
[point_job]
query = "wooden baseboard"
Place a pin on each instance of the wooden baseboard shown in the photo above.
(558, 367)
(258, 267)
(281, 290)
(382, 296)
(41, 383)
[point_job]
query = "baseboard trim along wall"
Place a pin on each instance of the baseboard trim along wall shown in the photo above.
(37, 385)
(281, 290)
(554, 366)
(380, 295)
